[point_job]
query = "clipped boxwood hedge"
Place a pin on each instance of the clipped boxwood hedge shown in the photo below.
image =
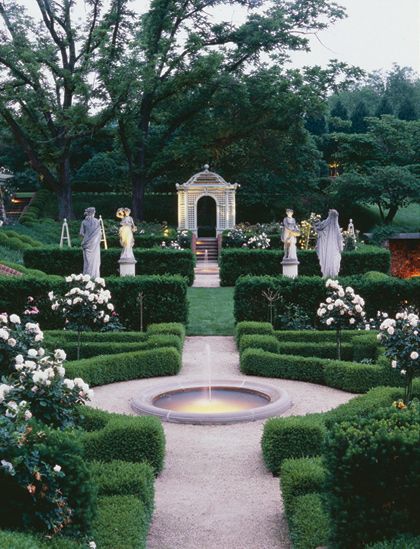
(111, 437)
(65, 261)
(165, 298)
(310, 523)
(253, 328)
(259, 341)
(121, 478)
(100, 370)
(239, 262)
(303, 436)
(387, 294)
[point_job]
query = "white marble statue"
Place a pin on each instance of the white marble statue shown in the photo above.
(289, 233)
(329, 245)
(90, 231)
(126, 230)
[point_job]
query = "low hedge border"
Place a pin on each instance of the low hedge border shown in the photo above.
(65, 261)
(239, 262)
(165, 298)
(303, 436)
(101, 370)
(310, 524)
(347, 376)
(110, 437)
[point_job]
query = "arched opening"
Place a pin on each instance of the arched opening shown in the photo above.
(206, 216)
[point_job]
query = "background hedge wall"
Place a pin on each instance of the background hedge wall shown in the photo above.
(165, 298)
(239, 262)
(384, 294)
(64, 261)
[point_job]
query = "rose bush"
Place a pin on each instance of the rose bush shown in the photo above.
(86, 306)
(16, 338)
(401, 339)
(343, 308)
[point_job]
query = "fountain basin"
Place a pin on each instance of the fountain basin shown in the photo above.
(226, 402)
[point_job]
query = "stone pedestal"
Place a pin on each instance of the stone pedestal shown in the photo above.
(290, 267)
(127, 266)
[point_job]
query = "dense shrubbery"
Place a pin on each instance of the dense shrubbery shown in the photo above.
(101, 370)
(372, 477)
(16, 241)
(165, 298)
(295, 436)
(386, 294)
(238, 262)
(65, 261)
(114, 436)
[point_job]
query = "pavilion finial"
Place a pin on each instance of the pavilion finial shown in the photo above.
(206, 167)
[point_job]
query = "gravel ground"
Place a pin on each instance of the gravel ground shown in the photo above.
(215, 492)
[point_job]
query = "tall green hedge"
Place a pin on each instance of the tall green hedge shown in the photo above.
(373, 477)
(386, 294)
(65, 261)
(238, 262)
(165, 298)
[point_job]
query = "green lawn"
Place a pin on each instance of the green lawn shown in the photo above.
(211, 311)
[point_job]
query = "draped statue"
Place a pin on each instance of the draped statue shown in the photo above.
(329, 245)
(90, 231)
(289, 233)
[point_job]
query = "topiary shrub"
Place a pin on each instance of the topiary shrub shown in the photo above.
(101, 370)
(259, 341)
(250, 327)
(372, 477)
(291, 437)
(135, 439)
(299, 477)
(123, 478)
(122, 522)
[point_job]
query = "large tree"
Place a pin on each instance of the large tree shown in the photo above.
(48, 95)
(179, 58)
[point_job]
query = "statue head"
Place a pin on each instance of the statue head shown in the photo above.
(332, 213)
(90, 211)
(127, 211)
(289, 212)
(120, 213)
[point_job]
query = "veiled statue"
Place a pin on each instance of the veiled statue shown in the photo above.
(90, 231)
(329, 245)
(126, 233)
(289, 234)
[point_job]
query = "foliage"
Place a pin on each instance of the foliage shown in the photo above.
(292, 317)
(99, 370)
(45, 483)
(343, 309)
(64, 261)
(387, 294)
(136, 439)
(372, 465)
(292, 437)
(388, 187)
(259, 341)
(401, 339)
(237, 262)
(299, 477)
(310, 525)
(86, 305)
(165, 297)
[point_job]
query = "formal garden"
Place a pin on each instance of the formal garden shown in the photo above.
(201, 355)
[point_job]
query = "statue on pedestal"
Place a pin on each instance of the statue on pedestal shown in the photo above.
(127, 260)
(329, 245)
(290, 232)
(90, 231)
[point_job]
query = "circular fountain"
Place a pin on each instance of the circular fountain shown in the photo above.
(219, 402)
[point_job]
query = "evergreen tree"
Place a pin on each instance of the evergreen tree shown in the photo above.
(316, 125)
(339, 111)
(384, 107)
(407, 110)
(358, 122)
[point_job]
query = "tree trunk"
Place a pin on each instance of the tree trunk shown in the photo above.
(64, 195)
(391, 214)
(138, 182)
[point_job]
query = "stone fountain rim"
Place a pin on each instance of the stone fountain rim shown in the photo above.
(279, 402)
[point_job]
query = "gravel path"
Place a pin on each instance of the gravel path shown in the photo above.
(215, 492)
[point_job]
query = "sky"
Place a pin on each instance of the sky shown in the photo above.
(376, 33)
